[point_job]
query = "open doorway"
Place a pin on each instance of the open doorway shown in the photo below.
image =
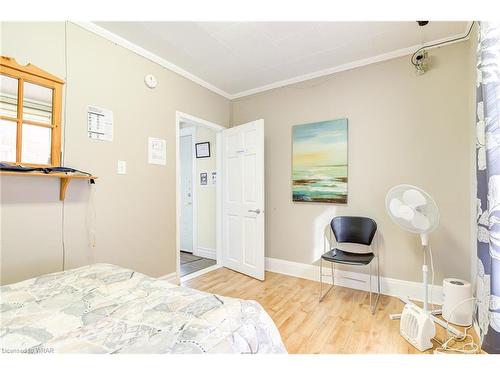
(198, 196)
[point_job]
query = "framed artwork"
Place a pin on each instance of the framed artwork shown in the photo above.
(319, 162)
(204, 178)
(202, 150)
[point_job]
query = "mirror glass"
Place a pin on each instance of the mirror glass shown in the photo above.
(36, 144)
(8, 96)
(37, 103)
(8, 135)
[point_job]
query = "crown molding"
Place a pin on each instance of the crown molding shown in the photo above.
(92, 27)
(352, 65)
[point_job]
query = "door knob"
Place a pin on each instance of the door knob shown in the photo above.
(257, 211)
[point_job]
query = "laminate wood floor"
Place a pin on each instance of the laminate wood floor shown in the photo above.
(342, 323)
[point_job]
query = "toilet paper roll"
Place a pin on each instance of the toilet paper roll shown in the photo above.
(454, 310)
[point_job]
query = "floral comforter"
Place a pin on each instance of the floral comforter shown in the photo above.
(103, 308)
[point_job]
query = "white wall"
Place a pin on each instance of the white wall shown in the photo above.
(135, 213)
(206, 195)
(403, 128)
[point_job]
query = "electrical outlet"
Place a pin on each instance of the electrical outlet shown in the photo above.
(121, 167)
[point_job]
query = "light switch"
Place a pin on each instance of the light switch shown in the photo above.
(122, 167)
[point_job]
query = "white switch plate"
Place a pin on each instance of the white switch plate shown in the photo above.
(121, 167)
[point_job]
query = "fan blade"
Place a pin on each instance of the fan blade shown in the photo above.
(394, 206)
(421, 222)
(400, 210)
(414, 198)
(406, 212)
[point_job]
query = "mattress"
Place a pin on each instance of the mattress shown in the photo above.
(103, 308)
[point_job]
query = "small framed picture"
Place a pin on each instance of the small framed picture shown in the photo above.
(204, 178)
(202, 150)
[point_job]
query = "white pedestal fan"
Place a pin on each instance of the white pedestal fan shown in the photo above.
(413, 209)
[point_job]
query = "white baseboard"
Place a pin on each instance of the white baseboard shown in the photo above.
(205, 252)
(354, 280)
(171, 278)
(348, 279)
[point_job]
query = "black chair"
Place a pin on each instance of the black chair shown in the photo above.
(355, 230)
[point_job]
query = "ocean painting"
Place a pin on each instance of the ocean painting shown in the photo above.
(319, 162)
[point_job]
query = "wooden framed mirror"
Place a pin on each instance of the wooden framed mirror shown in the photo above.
(30, 115)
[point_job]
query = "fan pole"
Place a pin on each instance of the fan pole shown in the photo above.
(425, 272)
(424, 238)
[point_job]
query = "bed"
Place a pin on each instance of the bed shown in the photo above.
(104, 308)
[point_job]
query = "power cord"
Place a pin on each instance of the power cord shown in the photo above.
(432, 276)
(63, 156)
(91, 211)
(469, 347)
(90, 221)
(441, 43)
(432, 270)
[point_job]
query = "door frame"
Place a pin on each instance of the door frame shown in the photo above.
(194, 225)
(196, 121)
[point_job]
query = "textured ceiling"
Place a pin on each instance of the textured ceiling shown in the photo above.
(242, 56)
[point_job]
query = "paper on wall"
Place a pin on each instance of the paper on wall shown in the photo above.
(99, 123)
(157, 151)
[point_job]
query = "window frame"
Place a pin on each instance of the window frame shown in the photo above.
(32, 74)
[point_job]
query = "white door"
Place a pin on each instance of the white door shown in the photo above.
(186, 154)
(243, 199)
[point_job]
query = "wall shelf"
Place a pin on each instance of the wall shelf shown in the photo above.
(65, 178)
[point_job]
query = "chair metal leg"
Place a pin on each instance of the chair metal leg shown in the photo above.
(378, 275)
(374, 306)
(320, 278)
(321, 295)
(332, 270)
(370, 281)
